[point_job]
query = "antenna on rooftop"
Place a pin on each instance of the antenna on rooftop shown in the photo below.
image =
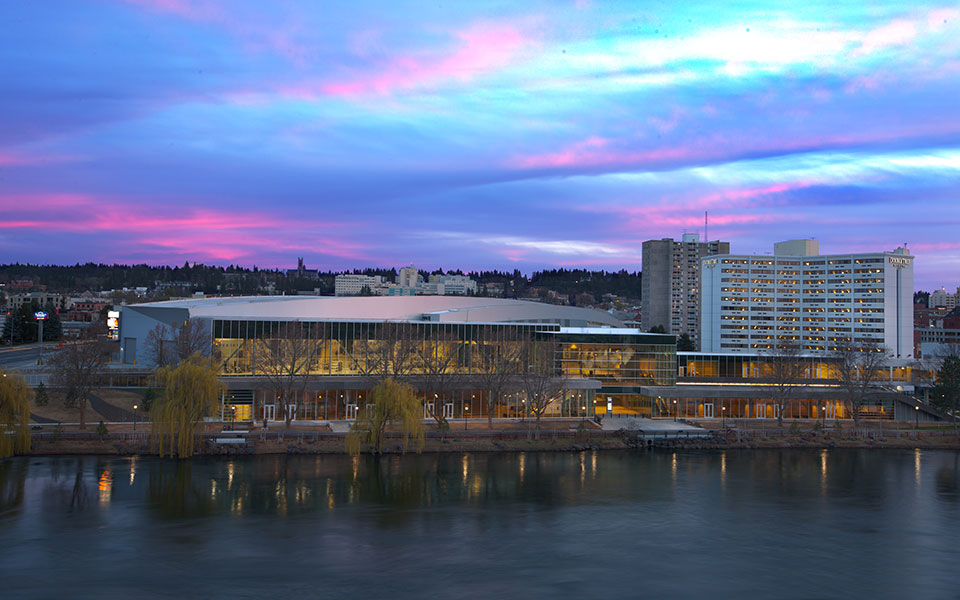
(706, 237)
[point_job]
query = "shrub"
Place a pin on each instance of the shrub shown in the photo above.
(102, 430)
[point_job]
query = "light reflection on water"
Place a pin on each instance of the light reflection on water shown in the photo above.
(617, 525)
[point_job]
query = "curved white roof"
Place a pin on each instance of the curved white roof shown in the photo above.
(383, 308)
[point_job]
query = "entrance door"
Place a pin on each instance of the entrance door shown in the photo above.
(351, 412)
(292, 411)
(448, 410)
(428, 410)
(707, 410)
(830, 411)
(269, 412)
(761, 412)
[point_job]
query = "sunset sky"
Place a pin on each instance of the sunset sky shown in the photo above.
(475, 135)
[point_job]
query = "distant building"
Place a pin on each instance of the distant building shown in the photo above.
(409, 283)
(409, 277)
(670, 287)
(448, 285)
(301, 272)
(943, 299)
(352, 284)
(823, 302)
(41, 298)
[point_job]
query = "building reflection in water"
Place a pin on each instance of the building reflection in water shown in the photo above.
(823, 472)
(916, 467)
(394, 490)
(104, 486)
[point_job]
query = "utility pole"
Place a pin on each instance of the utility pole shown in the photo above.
(40, 316)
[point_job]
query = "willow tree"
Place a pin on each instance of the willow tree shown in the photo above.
(14, 415)
(392, 405)
(190, 392)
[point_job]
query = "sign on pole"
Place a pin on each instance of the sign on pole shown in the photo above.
(40, 315)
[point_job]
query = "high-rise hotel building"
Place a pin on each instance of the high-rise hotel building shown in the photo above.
(670, 288)
(750, 302)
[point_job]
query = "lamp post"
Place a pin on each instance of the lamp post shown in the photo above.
(916, 412)
(134, 417)
(466, 416)
(40, 316)
(723, 417)
(676, 412)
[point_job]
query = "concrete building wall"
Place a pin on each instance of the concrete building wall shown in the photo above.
(819, 301)
(671, 283)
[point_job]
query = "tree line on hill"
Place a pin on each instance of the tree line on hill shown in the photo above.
(236, 280)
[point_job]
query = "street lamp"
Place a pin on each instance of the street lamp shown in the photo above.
(676, 412)
(916, 411)
(134, 417)
(723, 417)
(466, 416)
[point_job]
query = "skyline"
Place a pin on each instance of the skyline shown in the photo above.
(494, 136)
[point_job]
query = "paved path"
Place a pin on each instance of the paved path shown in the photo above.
(109, 411)
(39, 419)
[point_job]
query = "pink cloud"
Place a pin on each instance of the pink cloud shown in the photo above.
(199, 234)
(480, 49)
(594, 152)
(254, 35)
(893, 34)
(16, 159)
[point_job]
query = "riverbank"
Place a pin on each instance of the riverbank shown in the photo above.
(508, 441)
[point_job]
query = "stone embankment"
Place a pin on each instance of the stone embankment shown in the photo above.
(513, 439)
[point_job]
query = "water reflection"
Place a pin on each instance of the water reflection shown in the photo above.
(738, 514)
(13, 477)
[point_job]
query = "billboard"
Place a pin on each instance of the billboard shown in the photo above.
(113, 324)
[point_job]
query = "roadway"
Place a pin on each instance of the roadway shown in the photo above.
(22, 357)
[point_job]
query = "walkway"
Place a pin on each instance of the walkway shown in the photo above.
(653, 426)
(111, 412)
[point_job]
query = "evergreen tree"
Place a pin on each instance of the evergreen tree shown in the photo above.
(684, 343)
(40, 395)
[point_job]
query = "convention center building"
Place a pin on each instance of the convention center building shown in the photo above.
(456, 351)
(317, 358)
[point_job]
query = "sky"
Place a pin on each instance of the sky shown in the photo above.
(475, 135)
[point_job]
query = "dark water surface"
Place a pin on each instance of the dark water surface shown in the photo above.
(764, 524)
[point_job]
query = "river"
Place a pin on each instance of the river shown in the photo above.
(737, 524)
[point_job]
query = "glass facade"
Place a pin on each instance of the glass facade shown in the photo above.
(449, 363)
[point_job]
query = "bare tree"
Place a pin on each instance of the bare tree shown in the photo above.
(172, 344)
(80, 366)
(783, 370)
(390, 355)
(497, 364)
(857, 369)
(541, 381)
(285, 361)
(438, 359)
